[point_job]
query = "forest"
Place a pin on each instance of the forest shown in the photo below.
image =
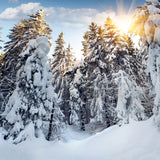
(115, 83)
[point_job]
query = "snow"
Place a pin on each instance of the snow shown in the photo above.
(153, 69)
(153, 1)
(78, 76)
(137, 140)
(156, 36)
(33, 82)
(129, 104)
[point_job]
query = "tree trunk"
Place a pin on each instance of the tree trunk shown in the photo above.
(50, 125)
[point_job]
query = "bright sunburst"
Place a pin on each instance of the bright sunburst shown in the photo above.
(123, 22)
(124, 16)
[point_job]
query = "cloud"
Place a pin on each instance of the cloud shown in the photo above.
(19, 12)
(100, 18)
(58, 15)
(70, 16)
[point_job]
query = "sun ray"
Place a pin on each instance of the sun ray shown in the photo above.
(123, 22)
(123, 18)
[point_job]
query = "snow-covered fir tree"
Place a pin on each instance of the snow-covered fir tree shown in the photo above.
(112, 37)
(81, 96)
(19, 36)
(121, 54)
(148, 29)
(70, 58)
(122, 57)
(98, 79)
(63, 97)
(58, 63)
(75, 101)
(85, 44)
(32, 101)
(129, 102)
(38, 26)
(113, 84)
(62, 62)
(28, 29)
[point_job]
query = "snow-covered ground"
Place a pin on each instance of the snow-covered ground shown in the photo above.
(136, 141)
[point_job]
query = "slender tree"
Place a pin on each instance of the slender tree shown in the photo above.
(31, 102)
(85, 44)
(129, 102)
(19, 36)
(70, 58)
(146, 27)
(58, 63)
(97, 79)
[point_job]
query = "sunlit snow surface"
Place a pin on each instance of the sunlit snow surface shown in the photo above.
(136, 141)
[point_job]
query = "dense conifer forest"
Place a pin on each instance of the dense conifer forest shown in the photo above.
(115, 83)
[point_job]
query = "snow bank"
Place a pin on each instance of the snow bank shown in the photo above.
(137, 140)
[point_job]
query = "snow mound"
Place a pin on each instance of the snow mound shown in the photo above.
(137, 140)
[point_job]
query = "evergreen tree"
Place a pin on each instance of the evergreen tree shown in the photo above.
(89, 39)
(75, 101)
(63, 61)
(85, 44)
(58, 63)
(129, 44)
(32, 100)
(129, 103)
(122, 57)
(56, 124)
(97, 80)
(28, 29)
(37, 25)
(70, 58)
(112, 36)
(19, 36)
(146, 27)
(61, 64)
(92, 34)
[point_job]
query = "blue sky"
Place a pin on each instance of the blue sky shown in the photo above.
(70, 16)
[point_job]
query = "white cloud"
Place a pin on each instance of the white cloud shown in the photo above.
(19, 12)
(58, 15)
(101, 17)
(70, 16)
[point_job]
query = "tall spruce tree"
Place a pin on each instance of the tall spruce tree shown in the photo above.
(62, 62)
(30, 105)
(97, 79)
(145, 25)
(70, 58)
(121, 56)
(112, 36)
(64, 93)
(129, 102)
(85, 44)
(58, 63)
(19, 36)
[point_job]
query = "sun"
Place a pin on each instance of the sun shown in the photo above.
(124, 15)
(123, 22)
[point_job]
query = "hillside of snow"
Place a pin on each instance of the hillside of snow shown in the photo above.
(135, 141)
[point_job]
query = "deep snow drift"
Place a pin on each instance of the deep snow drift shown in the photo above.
(135, 141)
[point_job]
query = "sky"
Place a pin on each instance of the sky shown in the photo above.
(69, 16)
